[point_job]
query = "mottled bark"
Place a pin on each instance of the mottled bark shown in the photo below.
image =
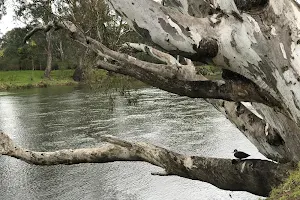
(253, 175)
(258, 40)
(49, 55)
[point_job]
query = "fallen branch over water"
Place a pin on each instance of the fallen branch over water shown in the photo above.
(252, 175)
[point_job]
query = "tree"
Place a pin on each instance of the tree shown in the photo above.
(33, 12)
(255, 42)
(16, 55)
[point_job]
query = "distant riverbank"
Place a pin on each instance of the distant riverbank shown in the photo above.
(30, 79)
(96, 79)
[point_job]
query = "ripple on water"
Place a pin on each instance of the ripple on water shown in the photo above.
(50, 119)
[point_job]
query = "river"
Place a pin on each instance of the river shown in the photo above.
(47, 119)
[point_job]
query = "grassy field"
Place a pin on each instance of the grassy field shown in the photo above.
(29, 79)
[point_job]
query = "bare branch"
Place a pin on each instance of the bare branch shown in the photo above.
(171, 78)
(255, 176)
(164, 57)
(45, 28)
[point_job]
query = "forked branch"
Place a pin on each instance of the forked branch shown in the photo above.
(253, 175)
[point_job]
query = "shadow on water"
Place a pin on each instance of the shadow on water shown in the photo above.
(64, 117)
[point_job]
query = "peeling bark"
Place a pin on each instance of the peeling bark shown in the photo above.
(258, 40)
(252, 175)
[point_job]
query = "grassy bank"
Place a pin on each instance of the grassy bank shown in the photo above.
(96, 79)
(290, 189)
(30, 79)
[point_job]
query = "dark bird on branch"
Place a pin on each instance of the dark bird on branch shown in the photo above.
(240, 154)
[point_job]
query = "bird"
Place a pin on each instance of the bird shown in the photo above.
(240, 154)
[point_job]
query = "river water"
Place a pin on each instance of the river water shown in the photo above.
(65, 117)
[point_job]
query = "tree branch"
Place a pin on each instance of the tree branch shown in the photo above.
(169, 77)
(255, 176)
(219, 89)
(45, 28)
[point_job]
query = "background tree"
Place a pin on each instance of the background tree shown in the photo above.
(38, 11)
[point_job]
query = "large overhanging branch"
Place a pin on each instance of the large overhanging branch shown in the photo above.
(151, 19)
(219, 89)
(167, 77)
(253, 175)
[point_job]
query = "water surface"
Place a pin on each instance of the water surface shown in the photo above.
(64, 117)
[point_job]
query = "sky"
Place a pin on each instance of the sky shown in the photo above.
(7, 22)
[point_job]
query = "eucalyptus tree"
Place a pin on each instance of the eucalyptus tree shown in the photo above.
(35, 12)
(255, 42)
(96, 20)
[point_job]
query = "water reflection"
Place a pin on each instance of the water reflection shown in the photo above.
(56, 118)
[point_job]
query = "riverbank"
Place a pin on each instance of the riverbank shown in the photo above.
(30, 79)
(96, 79)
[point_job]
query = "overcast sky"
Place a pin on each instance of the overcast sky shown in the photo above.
(7, 23)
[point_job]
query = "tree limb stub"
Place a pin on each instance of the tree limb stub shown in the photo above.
(247, 5)
(253, 175)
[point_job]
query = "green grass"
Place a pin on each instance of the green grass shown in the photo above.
(29, 79)
(290, 189)
(96, 79)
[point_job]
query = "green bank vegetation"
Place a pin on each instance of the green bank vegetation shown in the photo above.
(290, 189)
(96, 79)
(29, 78)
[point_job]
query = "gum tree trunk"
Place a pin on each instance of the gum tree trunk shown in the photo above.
(49, 55)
